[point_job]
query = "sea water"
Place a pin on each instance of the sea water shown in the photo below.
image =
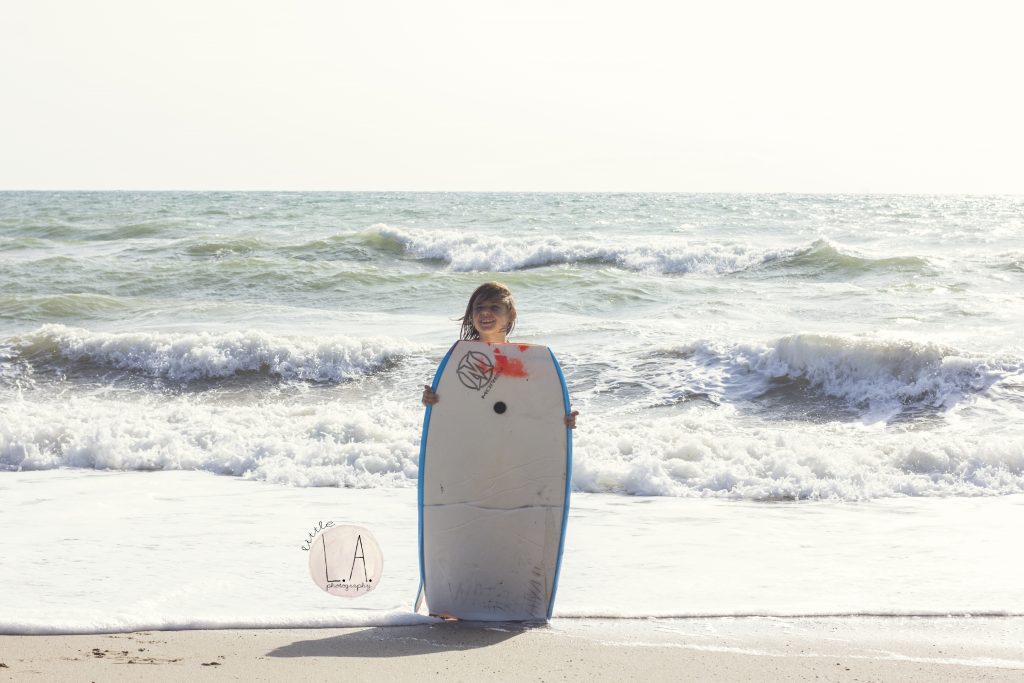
(789, 404)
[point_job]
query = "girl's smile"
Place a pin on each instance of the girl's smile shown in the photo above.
(491, 320)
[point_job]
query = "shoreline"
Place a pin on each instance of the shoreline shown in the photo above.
(700, 648)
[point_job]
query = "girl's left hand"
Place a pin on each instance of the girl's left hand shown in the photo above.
(570, 419)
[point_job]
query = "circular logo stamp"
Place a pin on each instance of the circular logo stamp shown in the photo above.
(475, 370)
(346, 561)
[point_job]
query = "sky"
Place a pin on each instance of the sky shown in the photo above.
(475, 95)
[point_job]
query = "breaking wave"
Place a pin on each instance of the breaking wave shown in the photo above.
(878, 376)
(823, 259)
(203, 356)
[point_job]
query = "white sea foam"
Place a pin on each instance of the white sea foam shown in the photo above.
(11, 367)
(708, 452)
(322, 445)
(716, 453)
(467, 251)
(133, 623)
(204, 355)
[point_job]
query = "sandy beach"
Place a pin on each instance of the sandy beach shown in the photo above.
(713, 649)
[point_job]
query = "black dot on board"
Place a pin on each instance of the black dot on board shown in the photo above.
(500, 407)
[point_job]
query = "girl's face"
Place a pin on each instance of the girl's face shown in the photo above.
(491, 319)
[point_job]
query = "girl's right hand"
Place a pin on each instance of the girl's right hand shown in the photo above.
(429, 395)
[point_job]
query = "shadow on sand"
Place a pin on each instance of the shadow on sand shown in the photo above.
(406, 641)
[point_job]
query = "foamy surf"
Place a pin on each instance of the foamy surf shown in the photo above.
(720, 454)
(701, 452)
(300, 445)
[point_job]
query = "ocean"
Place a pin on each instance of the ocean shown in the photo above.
(789, 404)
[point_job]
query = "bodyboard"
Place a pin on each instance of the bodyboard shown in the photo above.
(494, 473)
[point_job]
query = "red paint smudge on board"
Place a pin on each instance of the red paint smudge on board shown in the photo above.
(509, 367)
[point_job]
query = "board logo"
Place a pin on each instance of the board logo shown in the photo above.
(475, 370)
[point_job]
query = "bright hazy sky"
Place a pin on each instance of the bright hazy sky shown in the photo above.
(555, 95)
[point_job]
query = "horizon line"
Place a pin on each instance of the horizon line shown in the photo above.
(513, 191)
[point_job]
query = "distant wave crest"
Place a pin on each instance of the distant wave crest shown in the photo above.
(823, 258)
(469, 252)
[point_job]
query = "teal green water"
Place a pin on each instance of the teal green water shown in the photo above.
(753, 346)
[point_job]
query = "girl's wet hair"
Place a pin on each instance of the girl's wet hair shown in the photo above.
(488, 291)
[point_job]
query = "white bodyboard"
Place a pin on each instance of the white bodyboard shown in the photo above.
(495, 462)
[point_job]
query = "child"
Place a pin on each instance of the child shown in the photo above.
(490, 316)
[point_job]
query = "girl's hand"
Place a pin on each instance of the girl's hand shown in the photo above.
(570, 419)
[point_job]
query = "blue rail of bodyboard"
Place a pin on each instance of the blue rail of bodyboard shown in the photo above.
(419, 478)
(568, 483)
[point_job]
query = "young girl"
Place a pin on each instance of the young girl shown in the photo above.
(490, 317)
